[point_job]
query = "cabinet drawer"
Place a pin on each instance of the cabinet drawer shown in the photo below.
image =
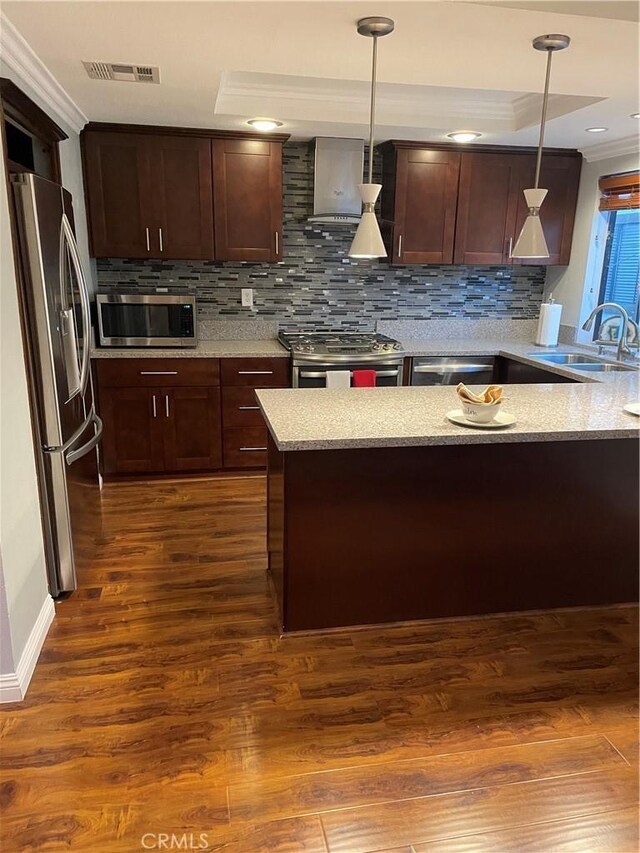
(157, 372)
(255, 372)
(245, 447)
(240, 408)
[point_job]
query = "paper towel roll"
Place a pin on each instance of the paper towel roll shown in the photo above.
(549, 324)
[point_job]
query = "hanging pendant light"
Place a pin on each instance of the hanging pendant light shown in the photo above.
(531, 242)
(367, 242)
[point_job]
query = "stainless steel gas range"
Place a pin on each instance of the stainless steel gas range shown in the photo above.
(314, 354)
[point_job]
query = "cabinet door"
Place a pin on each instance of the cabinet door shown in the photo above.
(487, 206)
(425, 206)
(561, 177)
(182, 197)
(133, 428)
(121, 218)
(192, 434)
(247, 199)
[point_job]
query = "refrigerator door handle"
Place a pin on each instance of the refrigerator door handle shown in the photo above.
(73, 438)
(66, 235)
(73, 455)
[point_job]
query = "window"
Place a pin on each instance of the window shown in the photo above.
(620, 281)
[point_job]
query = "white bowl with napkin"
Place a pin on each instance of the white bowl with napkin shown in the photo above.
(480, 408)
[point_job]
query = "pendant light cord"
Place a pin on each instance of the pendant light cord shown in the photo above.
(372, 115)
(543, 118)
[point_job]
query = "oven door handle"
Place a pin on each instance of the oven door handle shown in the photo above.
(322, 374)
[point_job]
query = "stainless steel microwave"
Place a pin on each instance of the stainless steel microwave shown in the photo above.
(147, 320)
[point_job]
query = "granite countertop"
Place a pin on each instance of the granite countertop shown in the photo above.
(327, 419)
(205, 349)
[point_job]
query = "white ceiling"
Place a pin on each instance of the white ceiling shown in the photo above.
(448, 66)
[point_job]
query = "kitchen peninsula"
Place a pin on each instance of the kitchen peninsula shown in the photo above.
(381, 510)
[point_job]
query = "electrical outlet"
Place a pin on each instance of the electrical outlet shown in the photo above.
(247, 297)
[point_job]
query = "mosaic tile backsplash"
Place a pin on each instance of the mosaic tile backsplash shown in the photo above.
(318, 285)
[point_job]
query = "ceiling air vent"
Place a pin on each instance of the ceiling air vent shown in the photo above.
(121, 72)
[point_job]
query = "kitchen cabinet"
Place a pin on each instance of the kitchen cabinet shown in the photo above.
(247, 181)
(508, 371)
(487, 208)
(560, 175)
(492, 208)
(164, 192)
(160, 415)
(132, 440)
(149, 196)
(244, 430)
(441, 205)
(118, 195)
(419, 200)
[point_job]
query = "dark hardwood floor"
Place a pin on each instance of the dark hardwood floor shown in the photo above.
(165, 702)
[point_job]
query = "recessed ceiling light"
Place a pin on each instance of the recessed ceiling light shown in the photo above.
(596, 129)
(464, 135)
(634, 115)
(264, 123)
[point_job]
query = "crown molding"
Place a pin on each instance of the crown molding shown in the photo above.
(33, 73)
(614, 148)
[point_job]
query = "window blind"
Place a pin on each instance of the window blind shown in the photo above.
(620, 192)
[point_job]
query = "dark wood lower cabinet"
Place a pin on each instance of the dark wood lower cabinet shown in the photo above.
(192, 429)
(393, 534)
(155, 430)
(245, 447)
(132, 441)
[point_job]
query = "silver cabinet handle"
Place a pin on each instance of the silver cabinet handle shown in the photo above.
(252, 449)
(510, 249)
(248, 408)
(148, 243)
(158, 373)
(166, 405)
(160, 239)
(255, 372)
(277, 243)
(400, 246)
(155, 411)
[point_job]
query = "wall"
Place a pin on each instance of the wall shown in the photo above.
(26, 609)
(318, 284)
(576, 287)
(21, 543)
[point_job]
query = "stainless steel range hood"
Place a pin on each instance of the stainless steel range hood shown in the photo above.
(337, 172)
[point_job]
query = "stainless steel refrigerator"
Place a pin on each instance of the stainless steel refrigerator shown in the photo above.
(57, 320)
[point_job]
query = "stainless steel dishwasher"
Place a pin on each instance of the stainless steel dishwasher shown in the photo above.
(449, 370)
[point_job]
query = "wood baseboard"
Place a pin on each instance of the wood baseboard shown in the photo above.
(14, 685)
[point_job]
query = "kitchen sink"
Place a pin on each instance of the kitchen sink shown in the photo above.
(581, 361)
(565, 358)
(601, 367)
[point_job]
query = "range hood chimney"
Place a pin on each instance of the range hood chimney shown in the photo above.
(338, 171)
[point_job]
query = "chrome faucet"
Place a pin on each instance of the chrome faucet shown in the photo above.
(622, 349)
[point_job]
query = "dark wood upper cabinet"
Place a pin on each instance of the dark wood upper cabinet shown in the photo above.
(560, 175)
(443, 205)
(183, 194)
(419, 198)
(492, 207)
(164, 193)
(120, 195)
(247, 189)
(487, 208)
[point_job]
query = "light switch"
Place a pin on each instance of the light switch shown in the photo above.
(247, 297)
